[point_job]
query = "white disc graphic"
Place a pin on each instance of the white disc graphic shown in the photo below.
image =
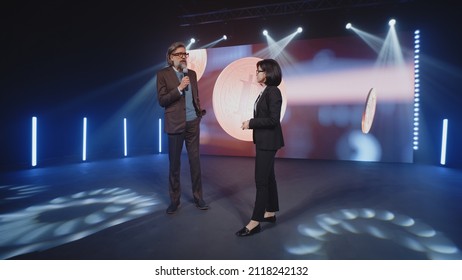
(234, 94)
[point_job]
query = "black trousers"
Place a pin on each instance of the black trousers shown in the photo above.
(266, 198)
(191, 137)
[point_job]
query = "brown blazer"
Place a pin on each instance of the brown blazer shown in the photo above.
(266, 125)
(174, 103)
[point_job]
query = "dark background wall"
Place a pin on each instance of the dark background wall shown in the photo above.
(64, 61)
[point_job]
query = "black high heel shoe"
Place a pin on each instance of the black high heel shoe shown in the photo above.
(271, 219)
(246, 232)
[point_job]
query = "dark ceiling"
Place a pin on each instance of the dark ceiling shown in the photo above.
(242, 20)
(204, 12)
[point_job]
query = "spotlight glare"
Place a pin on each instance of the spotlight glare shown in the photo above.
(225, 37)
(348, 26)
(265, 32)
(392, 22)
(299, 30)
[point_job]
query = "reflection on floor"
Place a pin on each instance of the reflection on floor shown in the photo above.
(115, 209)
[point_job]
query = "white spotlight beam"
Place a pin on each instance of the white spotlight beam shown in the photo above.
(212, 44)
(275, 49)
(373, 41)
(392, 47)
(191, 42)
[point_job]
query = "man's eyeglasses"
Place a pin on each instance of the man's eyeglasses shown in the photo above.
(258, 71)
(182, 54)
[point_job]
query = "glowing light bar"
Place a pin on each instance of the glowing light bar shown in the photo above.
(444, 138)
(125, 136)
(84, 140)
(34, 141)
(160, 135)
(416, 89)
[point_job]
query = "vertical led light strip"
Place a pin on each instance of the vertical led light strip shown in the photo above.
(415, 138)
(125, 136)
(444, 139)
(34, 141)
(160, 135)
(84, 140)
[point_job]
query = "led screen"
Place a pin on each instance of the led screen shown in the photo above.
(325, 85)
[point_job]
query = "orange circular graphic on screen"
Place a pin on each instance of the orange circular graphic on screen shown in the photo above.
(197, 61)
(234, 95)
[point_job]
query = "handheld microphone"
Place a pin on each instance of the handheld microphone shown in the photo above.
(185, 74)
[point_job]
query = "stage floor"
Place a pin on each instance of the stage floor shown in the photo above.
(115, 210)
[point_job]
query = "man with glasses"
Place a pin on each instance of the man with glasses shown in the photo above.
(177, 92)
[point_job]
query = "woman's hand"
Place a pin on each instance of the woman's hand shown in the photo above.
(245, 125)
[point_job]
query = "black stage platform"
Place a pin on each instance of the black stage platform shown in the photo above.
(115, 209)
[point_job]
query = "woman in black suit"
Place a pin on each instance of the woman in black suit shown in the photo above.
(268, 138)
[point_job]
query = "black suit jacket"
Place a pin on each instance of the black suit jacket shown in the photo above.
(266, 125)
(174, 103)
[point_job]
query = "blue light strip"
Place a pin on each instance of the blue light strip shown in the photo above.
(444, 138)
(34, 141)
(160, 135)
(125, 136)
(84, 141)
(416, 89)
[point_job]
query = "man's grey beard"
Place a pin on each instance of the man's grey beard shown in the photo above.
(180, 65)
